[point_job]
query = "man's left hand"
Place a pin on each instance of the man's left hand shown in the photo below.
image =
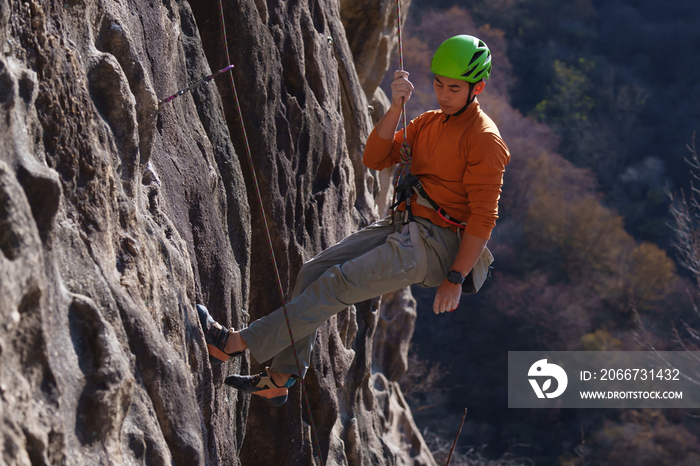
(447, 297)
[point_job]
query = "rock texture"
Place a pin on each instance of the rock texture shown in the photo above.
(117, 215)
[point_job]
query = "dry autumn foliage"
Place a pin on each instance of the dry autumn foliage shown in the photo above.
(567, 272)
(551, 207)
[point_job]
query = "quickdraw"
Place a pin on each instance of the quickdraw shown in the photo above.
(204, 80)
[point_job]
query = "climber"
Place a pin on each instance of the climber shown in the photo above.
(435, 237)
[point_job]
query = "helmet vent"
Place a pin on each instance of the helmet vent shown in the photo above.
(476, 56)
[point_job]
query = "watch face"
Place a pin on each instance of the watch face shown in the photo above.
(455, 277)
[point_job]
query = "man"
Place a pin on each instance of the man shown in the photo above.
(435, 239)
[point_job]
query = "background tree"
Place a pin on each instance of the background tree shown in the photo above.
(567, 268)
(617, 80)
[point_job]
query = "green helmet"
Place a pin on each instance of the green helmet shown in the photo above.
(462, 57)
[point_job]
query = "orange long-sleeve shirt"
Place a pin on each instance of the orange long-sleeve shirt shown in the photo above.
(460, 160)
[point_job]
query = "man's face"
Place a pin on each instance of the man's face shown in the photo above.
(452, 94)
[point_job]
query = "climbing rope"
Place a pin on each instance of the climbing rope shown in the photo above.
(269, 238)
(404, 168)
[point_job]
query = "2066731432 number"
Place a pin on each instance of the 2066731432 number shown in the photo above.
(639, 374)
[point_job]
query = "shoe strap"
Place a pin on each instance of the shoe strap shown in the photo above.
(264, 380)
(266, 375)
(219, 335)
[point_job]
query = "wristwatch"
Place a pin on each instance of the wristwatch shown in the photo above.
(455, 277)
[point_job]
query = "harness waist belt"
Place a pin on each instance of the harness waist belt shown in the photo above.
(404, 193)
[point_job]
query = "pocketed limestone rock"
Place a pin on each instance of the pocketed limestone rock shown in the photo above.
(117, 215)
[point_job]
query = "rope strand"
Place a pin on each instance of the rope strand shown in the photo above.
(269, 238)
(398, 21)
(405, 151)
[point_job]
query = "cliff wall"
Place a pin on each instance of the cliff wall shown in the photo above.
(117, 215)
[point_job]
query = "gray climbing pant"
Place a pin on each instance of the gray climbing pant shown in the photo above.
(376, 260)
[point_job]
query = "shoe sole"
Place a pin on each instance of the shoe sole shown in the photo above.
(216, 356)
(277, 398)
(217, 353)
(273, 396)
(276, 402)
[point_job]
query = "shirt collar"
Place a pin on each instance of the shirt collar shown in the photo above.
(468, 109)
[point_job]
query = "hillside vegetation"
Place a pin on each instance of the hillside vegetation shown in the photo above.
(572, 271)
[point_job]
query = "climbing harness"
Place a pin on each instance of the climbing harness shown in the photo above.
(269, 238)
(204, 80)
(404, 192)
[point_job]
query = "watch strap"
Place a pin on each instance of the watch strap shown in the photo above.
(455, 277)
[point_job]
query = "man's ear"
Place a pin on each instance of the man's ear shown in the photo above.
(479, 87)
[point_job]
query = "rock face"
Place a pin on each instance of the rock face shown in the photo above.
(117, 214)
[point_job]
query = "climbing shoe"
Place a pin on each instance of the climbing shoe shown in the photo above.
(262, 385)
(216, 336)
